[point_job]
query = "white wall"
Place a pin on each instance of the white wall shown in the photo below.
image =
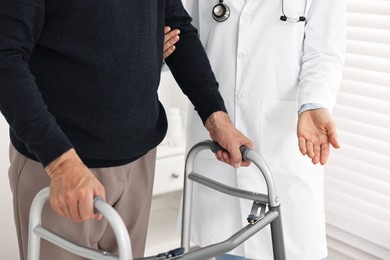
(171, 95)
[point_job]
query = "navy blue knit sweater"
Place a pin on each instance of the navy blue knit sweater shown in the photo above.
(85, 74)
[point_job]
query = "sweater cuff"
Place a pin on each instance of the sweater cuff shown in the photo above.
(45, 143)
(210, 106)
(52, 150)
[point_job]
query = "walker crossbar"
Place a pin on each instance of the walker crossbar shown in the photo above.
(232, 242)
(70, 246)
(227, 189)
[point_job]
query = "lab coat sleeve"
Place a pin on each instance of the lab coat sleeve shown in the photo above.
(323, 53)
(21, 103)
(189, 64)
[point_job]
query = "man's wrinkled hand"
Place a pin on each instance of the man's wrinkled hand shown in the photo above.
(73, 187)
(316, 132)
(223, 131)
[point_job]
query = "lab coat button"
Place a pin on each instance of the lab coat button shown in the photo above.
(242, 55)
(240, 96)
(245, 16)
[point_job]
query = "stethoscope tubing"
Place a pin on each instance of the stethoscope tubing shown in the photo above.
(221, 13)
(301, 18)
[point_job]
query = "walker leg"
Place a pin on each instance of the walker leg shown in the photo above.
(277, 236)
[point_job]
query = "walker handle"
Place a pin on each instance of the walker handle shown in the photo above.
(244, 149)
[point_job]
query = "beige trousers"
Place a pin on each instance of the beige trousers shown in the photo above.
(128, 190)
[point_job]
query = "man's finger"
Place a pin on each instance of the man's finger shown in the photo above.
(73, 208)
(235, 157)
(245, 163)
(86, 207)
(57, 209)
(225, 157)
(101, 192)
(59, 206)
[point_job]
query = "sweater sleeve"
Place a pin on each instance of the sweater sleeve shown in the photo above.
(189, 64)
(21, 102)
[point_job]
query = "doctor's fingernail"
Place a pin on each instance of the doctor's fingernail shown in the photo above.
(237, 165)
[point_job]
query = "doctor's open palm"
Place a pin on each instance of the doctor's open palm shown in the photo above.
(316, 132)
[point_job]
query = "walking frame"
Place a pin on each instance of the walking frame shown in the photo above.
(257, 219)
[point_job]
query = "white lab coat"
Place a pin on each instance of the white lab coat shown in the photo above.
(267, 69)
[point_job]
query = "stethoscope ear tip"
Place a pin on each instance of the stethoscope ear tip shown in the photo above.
(284, 18)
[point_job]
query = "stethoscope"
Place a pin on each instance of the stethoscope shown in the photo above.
(221, 13)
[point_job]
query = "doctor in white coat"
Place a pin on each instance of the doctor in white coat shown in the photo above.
(271, 67)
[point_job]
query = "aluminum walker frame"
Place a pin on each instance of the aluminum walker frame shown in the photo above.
(257, 219)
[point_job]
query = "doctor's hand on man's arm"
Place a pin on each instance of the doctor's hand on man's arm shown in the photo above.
(73, 187)
(223, 131)
(316, 132)
(171, 37)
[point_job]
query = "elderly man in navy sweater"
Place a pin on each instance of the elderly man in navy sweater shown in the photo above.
(78, 87)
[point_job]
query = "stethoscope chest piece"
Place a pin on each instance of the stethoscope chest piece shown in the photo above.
(221, 12)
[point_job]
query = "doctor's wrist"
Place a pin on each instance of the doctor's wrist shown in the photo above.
(309, 106)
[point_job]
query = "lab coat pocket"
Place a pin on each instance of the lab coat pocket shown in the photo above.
(279, 142)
